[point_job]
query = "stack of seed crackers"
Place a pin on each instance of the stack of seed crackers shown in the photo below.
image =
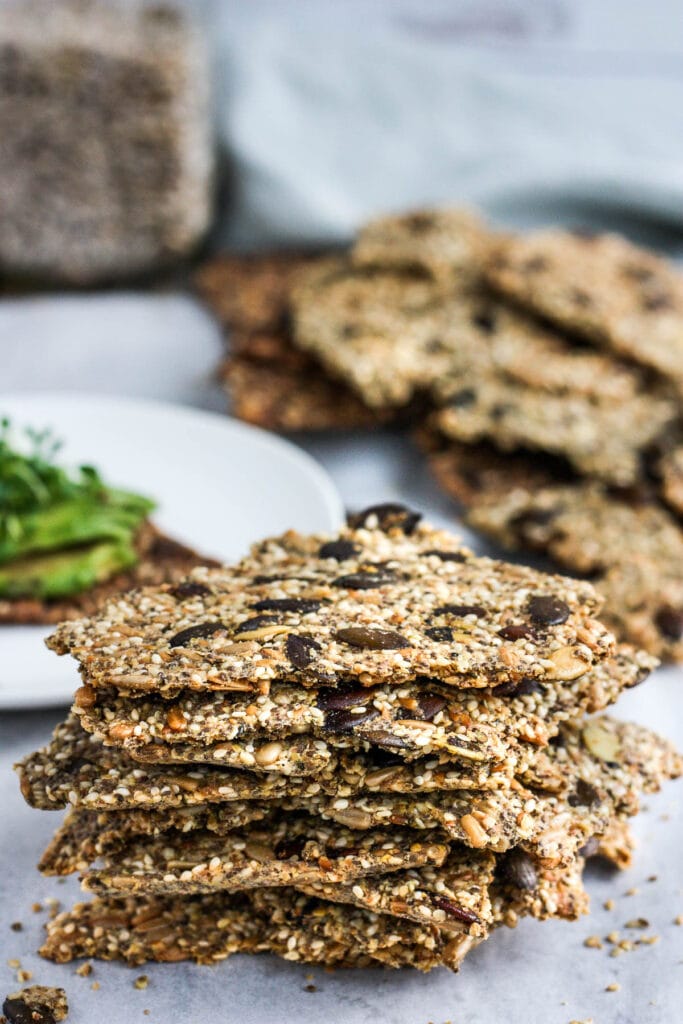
(349, 750)
(544, 374)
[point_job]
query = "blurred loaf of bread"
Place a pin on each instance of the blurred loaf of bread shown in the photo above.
(106, 154)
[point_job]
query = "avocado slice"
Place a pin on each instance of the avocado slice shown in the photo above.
(116, 516)
(61, 532)
(62, 573)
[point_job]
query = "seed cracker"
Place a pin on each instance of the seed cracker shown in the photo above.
(41, 1004)
(601, 286)
(616, 844)
(411, 720)
(526, 889)
(375, 328)
(452, 896)
(320, 619)
(270, 382)
(84, 836)
(248, 292)
(300, 756)
(78, 770)
(445, 243)
(586, 430)
(581, 525)
(289, 851)
(210, 928)
(274, 396)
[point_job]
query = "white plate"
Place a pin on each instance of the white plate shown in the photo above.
(220, 485)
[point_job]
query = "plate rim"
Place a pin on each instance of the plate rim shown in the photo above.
(285, 449)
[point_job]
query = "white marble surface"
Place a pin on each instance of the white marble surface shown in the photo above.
(164, 346)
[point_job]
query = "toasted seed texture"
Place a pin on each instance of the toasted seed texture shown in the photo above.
(581, 525)
(36, 1004)
(601, 286)
(452, 896)
(269, 382)
(394, 585)
(584, 428)
(289, 851)
(211, 928)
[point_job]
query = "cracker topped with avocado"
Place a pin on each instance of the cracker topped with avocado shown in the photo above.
(68, 540)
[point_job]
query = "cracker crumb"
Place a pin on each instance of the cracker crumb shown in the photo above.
(617, 951)
(614, 938)
(141, 982)
(593, 942)
(679, 919)
(14, 964)
(95, 986)
(37, 908)
(648, 940)
(613, 987)
(85, 970)
(24, 975)
(608, 904)
(637, 922)
(633, 891)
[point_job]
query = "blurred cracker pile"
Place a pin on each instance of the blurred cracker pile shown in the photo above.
(350, 750)
(107, 154)
(543, 373)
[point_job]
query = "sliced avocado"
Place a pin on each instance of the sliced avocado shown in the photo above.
(61, 531)
(116, 516)
(63, 573)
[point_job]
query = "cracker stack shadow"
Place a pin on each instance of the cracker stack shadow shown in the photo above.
(351, 750)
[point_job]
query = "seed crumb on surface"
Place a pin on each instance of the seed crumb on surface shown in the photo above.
(652, 878)
(593, 942)
(637, 922)
(633, 891)
(648, 940)
(614, 938)
(141, 982)
(311, 988)
(24, 975)
(608, 904)
(85, 970)
(17, 926)
(679, 919)
(613, 987)
(14, 963)
(95, 986)
(37, 908)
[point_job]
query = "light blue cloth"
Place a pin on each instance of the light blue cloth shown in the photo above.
(538, 110)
